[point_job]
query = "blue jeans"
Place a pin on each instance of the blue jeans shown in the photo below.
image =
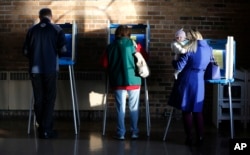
(133, 103)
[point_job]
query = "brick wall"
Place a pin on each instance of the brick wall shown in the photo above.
(214, 18)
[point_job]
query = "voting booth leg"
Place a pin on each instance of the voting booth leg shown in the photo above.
(105, 103)
(30, 114)
(231, 111)
(75, 95)
(168, 124)
(147, 108)
(74, 99)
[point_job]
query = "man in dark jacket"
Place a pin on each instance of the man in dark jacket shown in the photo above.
(43, 45)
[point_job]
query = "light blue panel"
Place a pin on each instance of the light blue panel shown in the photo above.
(68, 58)
(219, 52)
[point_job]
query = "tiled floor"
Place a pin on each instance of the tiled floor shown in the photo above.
(14, 139)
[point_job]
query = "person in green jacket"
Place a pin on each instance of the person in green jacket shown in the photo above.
(124, 80)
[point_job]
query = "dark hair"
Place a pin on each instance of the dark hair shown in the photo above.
(45, 12)
(122, 31)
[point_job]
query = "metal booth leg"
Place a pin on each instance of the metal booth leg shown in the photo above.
(105, 103)
(74, 100)
(75, 95)
(231, 110)
(168, 124)
(147, 108)
(30, 113)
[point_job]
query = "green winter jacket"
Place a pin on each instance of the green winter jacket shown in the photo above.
(121, 63)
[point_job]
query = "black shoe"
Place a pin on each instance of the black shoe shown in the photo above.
(48, 135)
(189, 142)
(39, 129)
(199, 142)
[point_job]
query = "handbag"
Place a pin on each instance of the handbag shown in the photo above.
(212, 71)
(142, 67)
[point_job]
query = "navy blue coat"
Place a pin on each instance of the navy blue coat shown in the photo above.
(189, 89)
(43, 45)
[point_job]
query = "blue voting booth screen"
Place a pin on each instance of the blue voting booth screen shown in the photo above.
(68, 45)
(67, 28)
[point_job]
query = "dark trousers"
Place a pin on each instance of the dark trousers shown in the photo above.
(44, 89)
(188, 119)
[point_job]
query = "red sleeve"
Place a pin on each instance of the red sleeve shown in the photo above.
(142, 51)
(104, 60)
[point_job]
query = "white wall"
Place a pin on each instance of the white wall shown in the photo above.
(16, 92)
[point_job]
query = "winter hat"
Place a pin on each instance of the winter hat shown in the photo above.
(180, 33)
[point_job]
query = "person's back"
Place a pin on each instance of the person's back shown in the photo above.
(191, 78)
(197, 60)
(44, 46)
(121, 63)
(45, 41)
(124, 80)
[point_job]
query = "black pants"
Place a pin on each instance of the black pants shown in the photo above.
(44, 89)
(197, 118)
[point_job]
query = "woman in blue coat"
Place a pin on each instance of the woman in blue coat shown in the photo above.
(189, 88)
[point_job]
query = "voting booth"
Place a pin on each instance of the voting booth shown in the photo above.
(224, 54)
(140, 34)
(70, 31)
(224, 51)
(68, 59)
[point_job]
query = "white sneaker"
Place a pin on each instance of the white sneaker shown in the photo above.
(119, 137)
(134, 136)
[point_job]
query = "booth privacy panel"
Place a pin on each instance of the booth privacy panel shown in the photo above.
(224, 51)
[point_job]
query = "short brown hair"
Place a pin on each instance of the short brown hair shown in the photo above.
(45, 12)
(122, 31)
